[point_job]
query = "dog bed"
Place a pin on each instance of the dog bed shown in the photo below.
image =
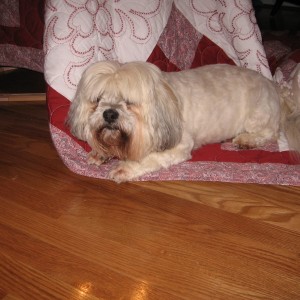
(174, 35)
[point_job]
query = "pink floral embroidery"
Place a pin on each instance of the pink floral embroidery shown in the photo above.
(240, 29)
(91, 21)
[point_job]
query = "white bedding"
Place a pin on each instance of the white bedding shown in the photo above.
(80, 32)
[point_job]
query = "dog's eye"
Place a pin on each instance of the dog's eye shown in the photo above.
(128, 103)
(98, 99)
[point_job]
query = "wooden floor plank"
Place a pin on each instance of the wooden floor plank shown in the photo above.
(28, 283)
(61, 264)
(262, 202)
(65, 236)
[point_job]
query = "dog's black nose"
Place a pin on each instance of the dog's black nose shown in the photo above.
(110, 115)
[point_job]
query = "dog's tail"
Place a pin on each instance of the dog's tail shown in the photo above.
(290, 119)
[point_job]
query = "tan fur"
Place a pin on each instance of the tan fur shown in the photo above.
(162, 116)
(290, 103)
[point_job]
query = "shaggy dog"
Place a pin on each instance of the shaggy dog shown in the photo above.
(150, 119)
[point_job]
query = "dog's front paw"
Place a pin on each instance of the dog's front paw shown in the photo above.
(95, 158)
(124, 171)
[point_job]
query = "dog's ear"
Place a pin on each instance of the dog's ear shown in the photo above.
(167, 118)
(79, 113)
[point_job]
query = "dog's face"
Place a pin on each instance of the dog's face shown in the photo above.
(125, 110)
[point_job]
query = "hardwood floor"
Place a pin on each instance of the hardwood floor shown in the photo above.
(63, 236)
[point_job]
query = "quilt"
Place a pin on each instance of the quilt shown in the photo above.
(21, 34)
(175, 35)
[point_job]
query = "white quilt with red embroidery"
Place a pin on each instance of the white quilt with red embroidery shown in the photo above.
(80, 32)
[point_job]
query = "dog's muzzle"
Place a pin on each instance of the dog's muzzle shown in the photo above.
(110, 115)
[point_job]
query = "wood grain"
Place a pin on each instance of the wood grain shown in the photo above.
(26, 97)
(64, 236)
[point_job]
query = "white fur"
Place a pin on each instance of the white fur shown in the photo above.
(162, 116)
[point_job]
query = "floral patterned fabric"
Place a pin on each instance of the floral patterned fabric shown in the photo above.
(80, 32)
